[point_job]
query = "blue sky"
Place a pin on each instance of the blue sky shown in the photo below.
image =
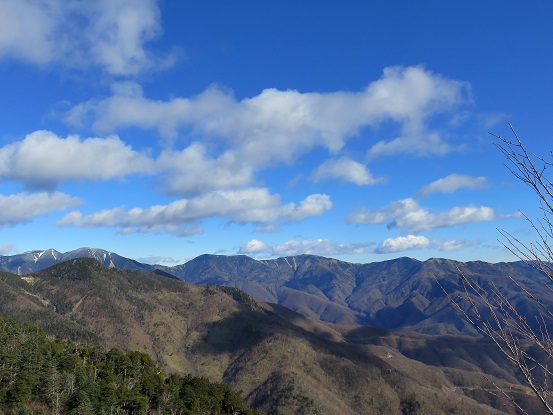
(162, 130)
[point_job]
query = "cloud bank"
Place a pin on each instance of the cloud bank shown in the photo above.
(110, 34)
(278, 125)
(322, 247)
(254, 205)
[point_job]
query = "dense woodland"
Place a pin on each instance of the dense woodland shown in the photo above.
(40, 374)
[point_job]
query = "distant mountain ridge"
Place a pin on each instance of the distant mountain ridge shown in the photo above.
(33, 261)
(401, 294)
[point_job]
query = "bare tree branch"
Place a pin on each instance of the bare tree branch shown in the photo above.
(496, 316)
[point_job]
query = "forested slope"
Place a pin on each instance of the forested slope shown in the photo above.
(42, 375)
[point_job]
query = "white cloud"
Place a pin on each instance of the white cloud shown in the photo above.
(193, 171)
(408, 214)
(43, 160)
(346, 170)
(322, 247)
(107, 33)
(402, 243)
(179, 231)
(231, 140)
(415, 140)
(253, 205)
(452, 245)
(312, 205)
(252, 247)
(412, 242)
(26, 28)
(454, 182)
(278, 126)
(24, 207)
(151, 260)
(6, 249)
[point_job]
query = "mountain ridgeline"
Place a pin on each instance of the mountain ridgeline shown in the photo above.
(280, 361)
(38, 260)
(402, 294)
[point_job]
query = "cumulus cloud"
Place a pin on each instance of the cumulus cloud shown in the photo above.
(24, 207)
(277, 126)
(412, 242)
(454, 182)
(111, 34)
(402, 243)
(192, 170)
(43, 160)
(252, 247)
(253, 205)
(346, 170)
(322, 247)
(410, 215)
(230, 140)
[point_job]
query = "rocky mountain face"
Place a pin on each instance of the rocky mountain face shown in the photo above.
(281, 361)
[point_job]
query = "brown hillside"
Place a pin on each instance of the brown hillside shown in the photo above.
(281, 361)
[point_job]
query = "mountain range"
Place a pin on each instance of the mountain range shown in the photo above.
(38, 260)
(402, 294)
(280, 361)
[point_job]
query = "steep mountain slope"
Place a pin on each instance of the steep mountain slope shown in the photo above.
(281, 361)
(38, 260)
(402, 294)
(58, 377)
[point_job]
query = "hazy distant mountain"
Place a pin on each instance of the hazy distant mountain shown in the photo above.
(400, 294)
(37, 260)
(281, 361)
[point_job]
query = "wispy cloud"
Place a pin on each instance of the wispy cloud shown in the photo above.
(6, 249)
(408, 214)
(157, 260)
(412, 242)
(322, 247)
(110, 34)
(454, 182)
(452, 245)
(346, 170)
